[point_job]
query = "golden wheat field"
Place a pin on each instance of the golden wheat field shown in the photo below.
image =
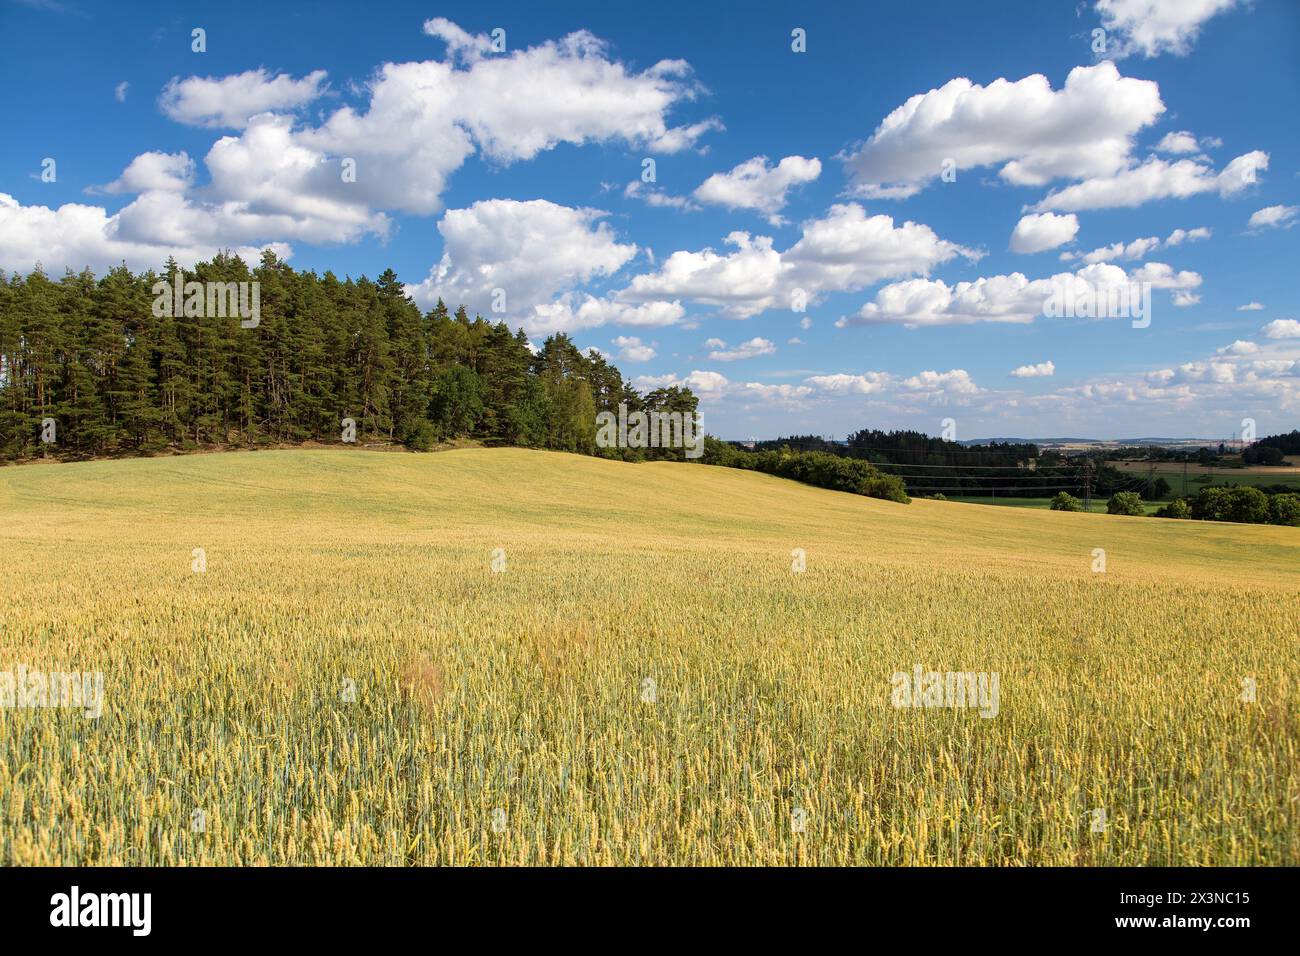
(645, 678)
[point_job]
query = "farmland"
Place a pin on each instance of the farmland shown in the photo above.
(1205, 476)
(1182, 484)
(501, 656)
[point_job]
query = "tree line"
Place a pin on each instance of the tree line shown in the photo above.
(90, 367)
(1245, 504)
(1272, 449)
(939, 467)
(820, 468)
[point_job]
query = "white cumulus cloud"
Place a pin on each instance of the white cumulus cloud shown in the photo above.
(1178, 143)
(632, 349)
(230, 101)
(1139, 248)
(1034, 134)
(1156, 179)
(1282, 329)
(843, 251)
(1273, 217)
(171, 172)
(1012, 298)
(532, 252)
(752, 349)
(1239, 347)
(1038, 232)
(869, 383)
(705, 384)
(756, 184)
(281, 177)
(956, 381)
(1152, 27)
(77, 236)
(1038, 370)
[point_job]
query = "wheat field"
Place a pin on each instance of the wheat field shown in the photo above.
(514, 657)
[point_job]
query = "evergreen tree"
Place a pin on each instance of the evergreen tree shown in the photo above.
(123, 369)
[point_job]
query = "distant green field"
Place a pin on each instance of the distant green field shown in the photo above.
(1098, 504)
(1199, 477)
(1243, 477)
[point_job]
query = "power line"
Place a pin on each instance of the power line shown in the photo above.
(977, 474)
(1027, 488)
(983, 477)
(908, 464)
(986, 450)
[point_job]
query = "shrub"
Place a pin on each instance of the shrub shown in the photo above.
(1210, 504)
(1244, 504)
(1064, 501)
(720, 453)
(422, 436)
(819, 468)
(1248, 505)
(1284, 509)
(939, 496)
(1125, 503)
(888, 487)
(1178, 508)
(1262, 455)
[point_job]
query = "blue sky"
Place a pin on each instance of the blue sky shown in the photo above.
(919, 175)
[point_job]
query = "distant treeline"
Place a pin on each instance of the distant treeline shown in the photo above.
(911, 448)
(936, 466)
(1241, 503)
(1204, 455)
(818, 468)
(93, 359)
(1272, 449)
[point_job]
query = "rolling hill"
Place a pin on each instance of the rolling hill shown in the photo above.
(490, 656)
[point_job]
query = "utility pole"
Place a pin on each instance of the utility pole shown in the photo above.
(1184, 475)
(1087, 484)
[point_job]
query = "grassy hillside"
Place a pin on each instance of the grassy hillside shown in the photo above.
(646, 681)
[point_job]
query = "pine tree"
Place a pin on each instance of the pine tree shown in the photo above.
(118, 375)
